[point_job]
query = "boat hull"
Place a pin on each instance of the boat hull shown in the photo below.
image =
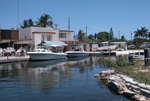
(48, 56)
(77, 54)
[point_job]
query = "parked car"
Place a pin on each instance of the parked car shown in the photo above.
(142, 46)
(131, 47)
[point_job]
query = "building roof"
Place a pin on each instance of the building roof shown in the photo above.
(65, 31)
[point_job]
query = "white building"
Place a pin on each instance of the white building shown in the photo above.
(30, 37)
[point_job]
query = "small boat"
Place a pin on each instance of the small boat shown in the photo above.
(45, 54)
(136, 55)
(77, 51)
(1, 51)
(21, 52)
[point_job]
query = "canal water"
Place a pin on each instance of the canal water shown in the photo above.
(55, 80)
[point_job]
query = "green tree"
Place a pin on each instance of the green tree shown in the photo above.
(91, 37)
(103, 36)
(81, 35)
(123, 38)
(45, 20)
(141, 33)
(111, 34)
(27, 23)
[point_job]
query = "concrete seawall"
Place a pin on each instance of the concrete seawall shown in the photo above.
(14, 59)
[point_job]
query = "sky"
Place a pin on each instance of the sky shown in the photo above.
(125, 16)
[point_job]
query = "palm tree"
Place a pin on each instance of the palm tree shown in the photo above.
(45, 20)
(30, 22)
(27, 23)
(142, 33)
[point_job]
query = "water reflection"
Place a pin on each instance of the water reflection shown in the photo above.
(55, 80)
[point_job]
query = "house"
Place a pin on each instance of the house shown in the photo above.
(8, 37)
(30, 37)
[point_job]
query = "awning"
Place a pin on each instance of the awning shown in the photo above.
(78, 45)
(52, 43)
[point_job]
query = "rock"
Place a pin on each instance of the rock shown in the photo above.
(141, 98)
(129, 94)
(125, 85)
(96, 75)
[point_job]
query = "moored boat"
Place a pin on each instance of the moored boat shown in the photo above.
(44, 54)
(76, 51)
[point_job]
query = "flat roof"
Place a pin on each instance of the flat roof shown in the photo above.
(10, 29)
(65, 31)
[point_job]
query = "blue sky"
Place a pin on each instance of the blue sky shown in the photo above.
(98, 15)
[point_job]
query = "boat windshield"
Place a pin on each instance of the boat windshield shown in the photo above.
(37, 50)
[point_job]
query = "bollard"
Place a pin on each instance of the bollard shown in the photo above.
(146, 56)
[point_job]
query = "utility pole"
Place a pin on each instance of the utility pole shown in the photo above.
(86, 31)
(68, 23)
(131, 35)
(56, 25)
(18, 14)
(119, 35)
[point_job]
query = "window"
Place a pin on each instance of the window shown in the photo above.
(5, 34)
(62, 35)
(42, 37)
(48, 38)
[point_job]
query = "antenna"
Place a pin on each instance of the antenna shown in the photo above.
(69, 23)
(56, 25)
(18, 13)
(86, 31)
(119, 35)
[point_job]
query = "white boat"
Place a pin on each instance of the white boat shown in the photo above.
(44, 54)
(76, 51)
(106, 48)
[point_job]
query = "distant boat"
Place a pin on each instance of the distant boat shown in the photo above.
(107, 48)
(77, 51)
(44, 54)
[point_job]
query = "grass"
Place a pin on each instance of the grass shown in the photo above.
(136, 49)
(136, 69)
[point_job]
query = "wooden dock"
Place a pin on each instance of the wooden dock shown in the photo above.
(14, 59)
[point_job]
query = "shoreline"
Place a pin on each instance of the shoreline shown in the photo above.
(124, 85)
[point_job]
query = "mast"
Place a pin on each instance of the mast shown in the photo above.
(68, 23)
(17, 14)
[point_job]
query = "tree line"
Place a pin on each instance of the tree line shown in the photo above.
(98, 37)
(141, 35)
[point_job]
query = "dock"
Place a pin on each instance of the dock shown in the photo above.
(128, 52)
(14, 59)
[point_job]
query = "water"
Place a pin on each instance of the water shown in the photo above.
(56, 80)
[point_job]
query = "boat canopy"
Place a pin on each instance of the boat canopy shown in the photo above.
(52, 43)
